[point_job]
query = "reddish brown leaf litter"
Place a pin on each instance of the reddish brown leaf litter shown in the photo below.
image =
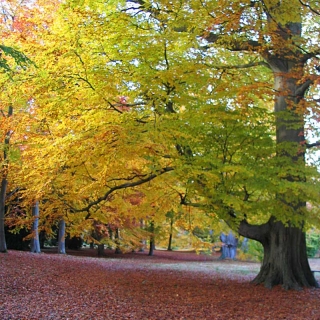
(135, 286)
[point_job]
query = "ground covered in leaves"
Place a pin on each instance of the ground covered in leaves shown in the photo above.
(169, 285)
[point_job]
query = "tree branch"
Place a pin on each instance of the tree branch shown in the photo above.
(255, 232)
(241, 66)
(309, 55)
(13, 192)
(303, 87)
(312, 145)
(122, 186)
(308, 6)
(141, 2)
(237, 45)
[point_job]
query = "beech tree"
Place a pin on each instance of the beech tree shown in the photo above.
(12, 61)
(10, 58)
(278, 32)
(274, 37)
(211, 100)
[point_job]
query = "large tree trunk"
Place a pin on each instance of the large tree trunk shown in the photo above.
(3, 244)
(285, 259)
(35, 243)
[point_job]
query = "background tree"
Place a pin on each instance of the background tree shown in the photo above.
(170, 215)
(62, 237)
(12, 63)
(4, 184)
(35, 243)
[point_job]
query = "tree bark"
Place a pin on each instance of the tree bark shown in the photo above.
(152, 240)
(3, 244)
(151, 247)
(62, 237)
(35, 243)
(101, 250)
(117, 241)
(285, 259)
(170, 242)
(143, 242)
(171, 233)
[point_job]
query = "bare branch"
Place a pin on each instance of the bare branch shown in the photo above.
(312, 145)
(311, 9)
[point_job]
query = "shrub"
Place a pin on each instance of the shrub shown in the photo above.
(312, 238)
(253, 251)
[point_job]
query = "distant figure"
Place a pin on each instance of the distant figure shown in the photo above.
(229, 246)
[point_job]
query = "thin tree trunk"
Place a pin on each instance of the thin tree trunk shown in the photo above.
(117, 241)
(3, 244)
(151, 247)
(143, 242)
(101, 250)
(111, 237)
(170, 235)
(170, 242)
(4, 184)
(35, 243)
(152, 239)
(62, 237)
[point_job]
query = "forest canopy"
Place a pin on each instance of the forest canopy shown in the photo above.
(131, 109)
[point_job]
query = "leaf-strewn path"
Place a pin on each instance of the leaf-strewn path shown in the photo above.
(135, 286)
